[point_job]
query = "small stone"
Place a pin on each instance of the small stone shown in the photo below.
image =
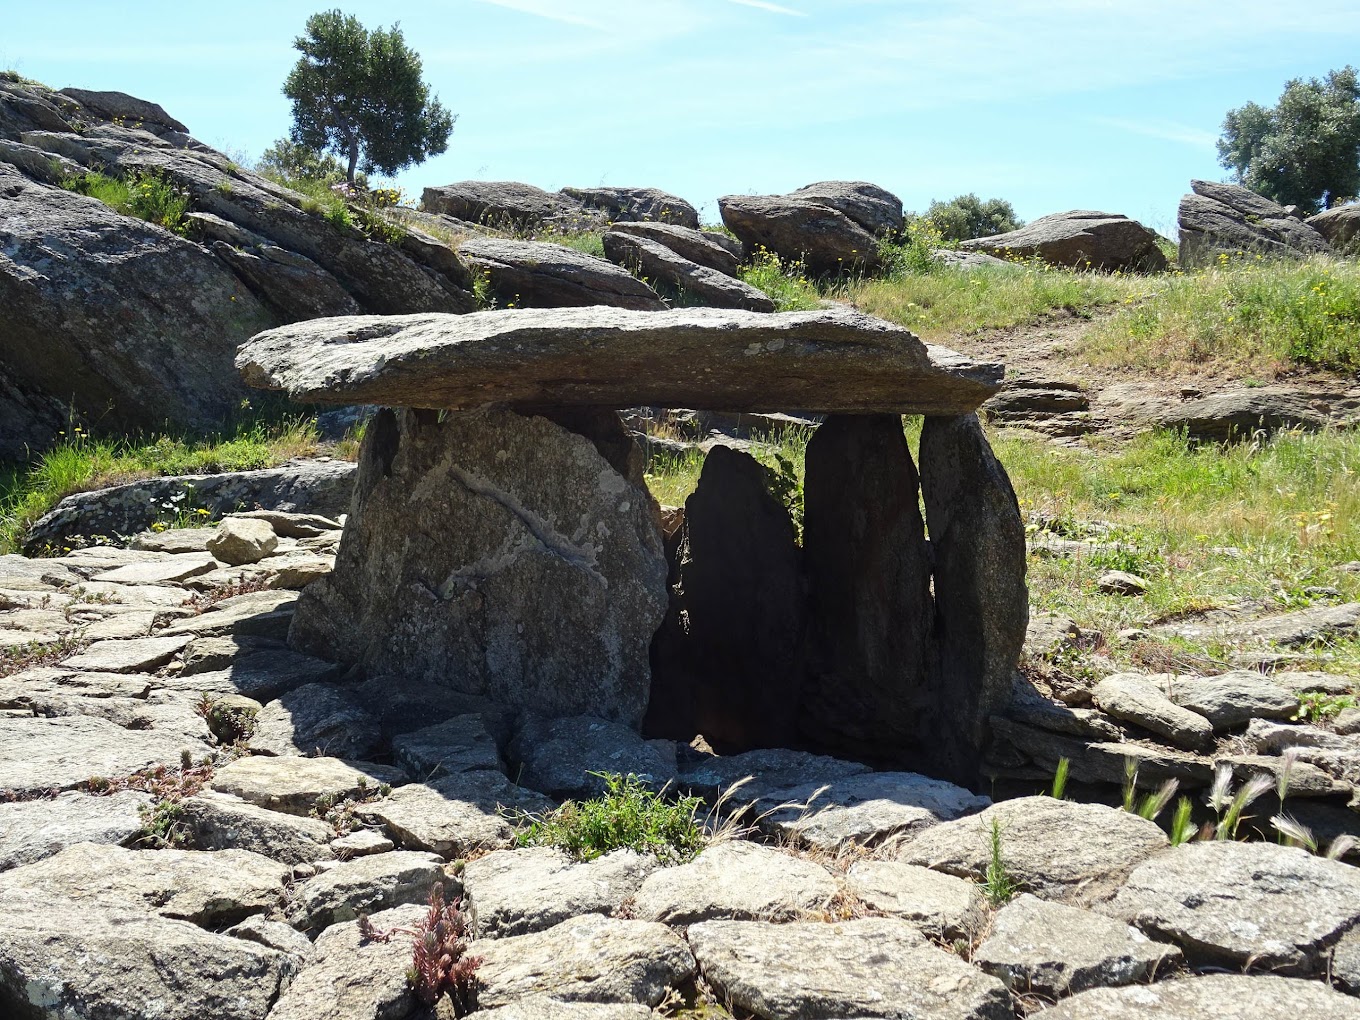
(1056, 950)
(314, 719)
(223, 822)
(168, 571)
(34, 829)
(294, 785)
(1137, 699)
(1347, 722)
(1121, 582)
(761, 772)
(140, 655)
(364, 885)
(565, 757)
(942, 906)
(361, 843)
(739, 881)
(1230, 903)
(1234, 699)
(457, 814)
(872, 967)
(242, 540)
(460, 744)
(1221, 996)
(258, 614)
(515, 892)
(864, 809)
(1056, 849)
(589, 958)
(274, 935)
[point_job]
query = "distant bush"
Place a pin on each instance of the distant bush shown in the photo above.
(286, 161)
(968, 216)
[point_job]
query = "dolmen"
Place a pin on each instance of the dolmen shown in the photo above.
(502, 541)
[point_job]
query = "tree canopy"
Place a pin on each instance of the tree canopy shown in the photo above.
(968, 216)
(361, 95)
(1305, 150)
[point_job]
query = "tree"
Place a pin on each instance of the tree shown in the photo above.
(287, 160)
(1304, 151)
(360, 95)
(968, 216)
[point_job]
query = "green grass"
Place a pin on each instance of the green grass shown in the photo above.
(147, 196)
(82, 462)
(628, 816)
(589, 242)
(786, 283)
(955, 301)
(1243, 313)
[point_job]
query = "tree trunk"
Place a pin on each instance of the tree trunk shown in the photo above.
(353, 158)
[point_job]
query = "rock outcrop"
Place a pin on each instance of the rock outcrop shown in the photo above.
(131, 324)
(1081, 239)
(624, 205)
(695, 245)
(686, 282)
(1340, 226)
(1225, 219)
(537, 274)
(801, 230)
(510, 206)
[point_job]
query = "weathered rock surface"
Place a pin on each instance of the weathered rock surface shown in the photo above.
(134, 656)
(833, 360)
(242, 540)
(364, 885)
(587, 959)
(509, 205)
(515, 892)
(221, 822)
(1224, 996)
(35, 829)
(1346, 962)
(544, 590)
(353, 978)
(728, 658)
(738, 881)
(539, 274)
(315, 719)
(209, 889)
(823, 238)
(1340, 226)
(977, 538)
(537, 1007)
(1241, 414)
(872, 967)
(1082, 239)
(40, 754)
(294, 785)
(460, 744)
(637, 204)
(1135, 698)
(1234, 699)
(694, 245)
(456, 814)
(688, 282)
(73, 266)
(940, 905)
(322, 487)
(566, 757)
(1056, 849)
(1225, 902)
(865, 809)
(70, 960)
(870, 612)
(761, 772)
(1225, 219)
(876, 210)
(256, 613)
(1057, 950)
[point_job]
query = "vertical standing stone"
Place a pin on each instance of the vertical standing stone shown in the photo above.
(728, 661)
(981, 602)
(868, 568)
(499, 555)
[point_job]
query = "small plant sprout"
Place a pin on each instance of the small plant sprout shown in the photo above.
(1059, 789)
(999, 886)
(1153, 804)
(1182, 827)
(439, 961)
(1246, 794)
(1341, 846)
(1294, 833)
(1130, 784)
(1287, 762)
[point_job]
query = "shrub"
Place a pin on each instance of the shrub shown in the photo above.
(786, 283)
(628, 816)
(968, 216)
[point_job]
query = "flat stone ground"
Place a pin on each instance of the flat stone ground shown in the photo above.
(193, 820)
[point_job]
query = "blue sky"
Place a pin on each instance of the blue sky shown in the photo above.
(1053, 104)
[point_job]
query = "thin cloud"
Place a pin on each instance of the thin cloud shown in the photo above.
(545, 9)
(1167, 130)
(763, 5)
